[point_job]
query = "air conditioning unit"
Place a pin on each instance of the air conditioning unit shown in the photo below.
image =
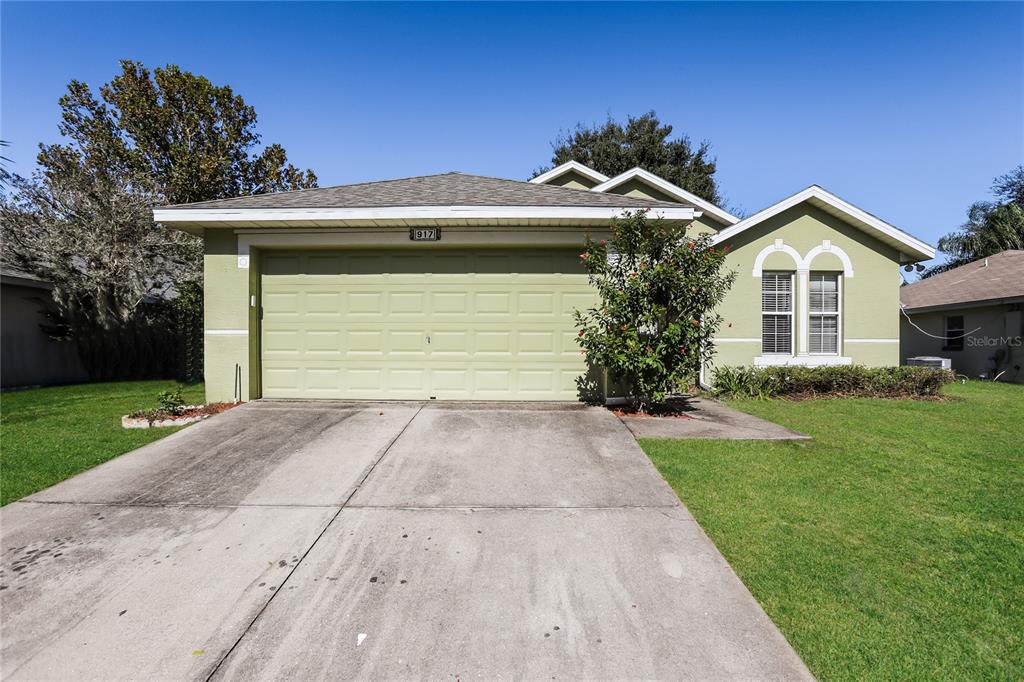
(930, 361)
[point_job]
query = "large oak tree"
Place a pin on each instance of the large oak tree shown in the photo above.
(146, 138)
(612, 148)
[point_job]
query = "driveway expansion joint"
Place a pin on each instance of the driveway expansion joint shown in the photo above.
(305, 554)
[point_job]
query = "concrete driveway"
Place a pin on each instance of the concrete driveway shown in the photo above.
(386, 541)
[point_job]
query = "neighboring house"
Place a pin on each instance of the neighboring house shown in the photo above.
(332, 292)
(971, 315)
(28, 357)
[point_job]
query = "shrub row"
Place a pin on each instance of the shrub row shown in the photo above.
(848, 380)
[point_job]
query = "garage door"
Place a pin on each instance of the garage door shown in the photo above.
(418, 324)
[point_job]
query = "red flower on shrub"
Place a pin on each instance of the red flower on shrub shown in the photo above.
(584, 255)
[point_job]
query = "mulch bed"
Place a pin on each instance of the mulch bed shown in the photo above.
(188, 415)
(673, 408)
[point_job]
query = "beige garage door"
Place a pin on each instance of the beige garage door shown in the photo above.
(422, 323)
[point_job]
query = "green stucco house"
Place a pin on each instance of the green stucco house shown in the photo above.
(461, 287)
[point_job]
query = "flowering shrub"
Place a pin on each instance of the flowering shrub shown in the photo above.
(658, 291)
(849, 380)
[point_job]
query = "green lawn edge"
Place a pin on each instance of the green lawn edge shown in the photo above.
(889, 547)
(50, 434)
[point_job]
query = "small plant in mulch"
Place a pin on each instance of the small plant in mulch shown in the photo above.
(171, 408)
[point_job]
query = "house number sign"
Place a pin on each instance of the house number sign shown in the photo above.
(425, 234)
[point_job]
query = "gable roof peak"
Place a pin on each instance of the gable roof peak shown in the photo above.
(568, 166)
(912, 248)
(673, 190)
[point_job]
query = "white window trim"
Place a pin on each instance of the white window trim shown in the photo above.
(803, 262)
(838, 315)
(792, 318)
(801, 361)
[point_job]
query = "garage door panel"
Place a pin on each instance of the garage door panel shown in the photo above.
(281, 341)
(322, 302)
(536, 303)
(406, 343)
(410, 379)
(571, 301)
(444, 303)
(494, 303)
(406, 303)
(451, 383)
(323, 378)
(537, 343)
(489, 382)
(364, 342)
(493, 343)
(281, 303)
(364, 303)
(356, 324)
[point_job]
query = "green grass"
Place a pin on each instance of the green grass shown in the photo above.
(50, 434)
(889, 547)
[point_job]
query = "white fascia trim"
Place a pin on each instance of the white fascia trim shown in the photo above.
(668, 188)
(916, 248)
(188, 215)
(559, 171)
(801, 361)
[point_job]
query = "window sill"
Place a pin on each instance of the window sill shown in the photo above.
(800, 360)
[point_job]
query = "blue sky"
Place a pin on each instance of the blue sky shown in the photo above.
(908, 110)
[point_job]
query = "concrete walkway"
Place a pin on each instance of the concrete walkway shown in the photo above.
(706, 418)
(329, 540)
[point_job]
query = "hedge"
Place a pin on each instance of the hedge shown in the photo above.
(847, 380)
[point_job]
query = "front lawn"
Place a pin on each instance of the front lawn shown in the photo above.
(50, 434)
(889, 547)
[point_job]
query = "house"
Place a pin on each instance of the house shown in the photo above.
(457, 286)
(970, 315)
(28, 357)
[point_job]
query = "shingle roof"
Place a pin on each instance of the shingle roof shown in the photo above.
(446, 189)
(994, 278)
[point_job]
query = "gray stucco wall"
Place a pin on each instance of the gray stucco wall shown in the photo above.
(993, 340)
(27, 356)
